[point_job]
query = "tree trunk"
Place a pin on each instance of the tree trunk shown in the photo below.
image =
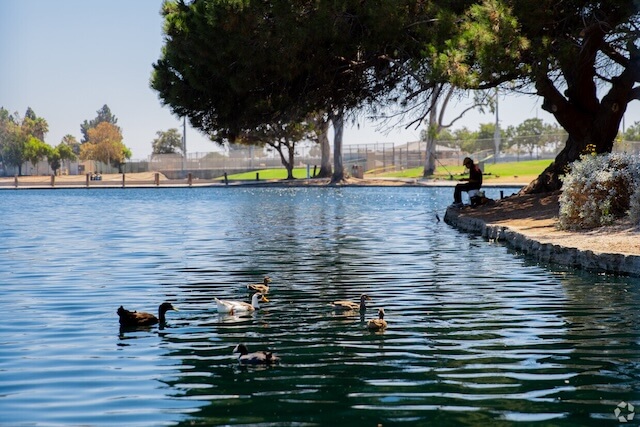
(287, 161)
(432, 131)
(325, 147)
(595, 136)
(291, 162)
(338, 130)
(430, 157)
(592, 124)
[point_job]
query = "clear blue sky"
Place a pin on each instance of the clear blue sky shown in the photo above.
(67, 58)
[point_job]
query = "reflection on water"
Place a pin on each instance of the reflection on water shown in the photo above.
(478, 335)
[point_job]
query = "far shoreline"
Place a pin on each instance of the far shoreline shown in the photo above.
(151, 180)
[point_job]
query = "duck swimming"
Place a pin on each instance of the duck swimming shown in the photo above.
(140, 318)
(263, 287)
(350, 305)
(379, 323)
(231, 307)
(256, 358)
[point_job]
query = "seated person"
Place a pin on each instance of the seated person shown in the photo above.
(474, 182)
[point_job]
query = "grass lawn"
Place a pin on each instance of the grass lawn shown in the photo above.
(524, 171)
(268, 174)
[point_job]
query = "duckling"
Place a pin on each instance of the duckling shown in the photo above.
(256, 358)
(350, 305)
(231, 307)
(379, 323)
(263, 287)
(135, 318)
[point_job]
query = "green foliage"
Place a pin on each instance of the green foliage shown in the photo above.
(103, 115)
(167, 142)
(36, 150)
(632, 133)
(72, 143)
(22, 139)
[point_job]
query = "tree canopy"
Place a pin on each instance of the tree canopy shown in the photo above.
(231, 66)
(105, 145)
(103, 115)
(168, 142)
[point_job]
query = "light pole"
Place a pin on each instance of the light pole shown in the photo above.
(184, 145)
(496, 133)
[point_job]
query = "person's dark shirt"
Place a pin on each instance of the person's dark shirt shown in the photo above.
(475, 177)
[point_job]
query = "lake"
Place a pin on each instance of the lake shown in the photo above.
(478, 334)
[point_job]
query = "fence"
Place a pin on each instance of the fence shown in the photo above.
(370, 158)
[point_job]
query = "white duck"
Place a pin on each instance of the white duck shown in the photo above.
(232, 307)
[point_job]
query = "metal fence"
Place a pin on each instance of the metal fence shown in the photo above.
(370, 158)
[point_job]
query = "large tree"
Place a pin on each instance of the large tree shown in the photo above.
(581, 57)
(232, 66)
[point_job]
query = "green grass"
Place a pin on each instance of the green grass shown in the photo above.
(268, 174)
(513, 169)
(525, 168)
(530, 167)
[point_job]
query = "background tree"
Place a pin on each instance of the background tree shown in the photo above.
(439, 100)
(105, 145)
(36, 150)
(72, 142)
(632, 133)
(59, 154)
(14, 140)
(168, 142)
(22, 139)
(34, 125)
(103, 115)
(282, 137)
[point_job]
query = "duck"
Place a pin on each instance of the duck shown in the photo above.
(140, 318)
(350, 305)
(256, 358)
(228, 306)
(379, 323)
(263, 287)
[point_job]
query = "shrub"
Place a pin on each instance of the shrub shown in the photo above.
(599, 189)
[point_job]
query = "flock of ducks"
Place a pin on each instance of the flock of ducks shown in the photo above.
(140, 318)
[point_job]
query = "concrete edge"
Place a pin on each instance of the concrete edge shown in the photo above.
(589, 260)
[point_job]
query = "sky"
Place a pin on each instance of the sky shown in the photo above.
(67, 58)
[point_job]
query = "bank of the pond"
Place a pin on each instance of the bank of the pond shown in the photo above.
(529, 224)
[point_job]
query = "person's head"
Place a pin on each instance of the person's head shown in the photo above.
(467, 162)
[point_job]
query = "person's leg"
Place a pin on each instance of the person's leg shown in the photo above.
(457, 193)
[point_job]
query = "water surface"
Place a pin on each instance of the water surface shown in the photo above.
(478, 334)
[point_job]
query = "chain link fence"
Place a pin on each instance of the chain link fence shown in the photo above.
(357, 159)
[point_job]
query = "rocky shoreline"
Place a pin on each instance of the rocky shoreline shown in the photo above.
(529, 224)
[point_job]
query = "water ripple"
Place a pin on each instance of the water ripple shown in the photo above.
(477, 335)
